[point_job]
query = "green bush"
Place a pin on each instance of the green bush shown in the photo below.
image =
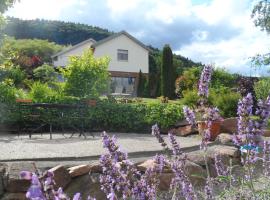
(45, 73)
(41, 92)
(165, 115)
(8, 97)
(190, 98)
(87, 76)
(226, 100)
(262, 88)
(16, 74)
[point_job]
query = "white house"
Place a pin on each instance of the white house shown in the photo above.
(128, 56)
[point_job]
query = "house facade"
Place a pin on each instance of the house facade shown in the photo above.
(127, 57)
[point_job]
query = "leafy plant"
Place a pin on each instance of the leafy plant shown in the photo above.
(87, 76)
(45, 73)
(41, 92)
(262, 88)
(226, 100)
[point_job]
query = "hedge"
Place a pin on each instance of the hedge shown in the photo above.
(130, 117)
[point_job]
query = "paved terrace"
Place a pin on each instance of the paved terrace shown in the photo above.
(41, 148)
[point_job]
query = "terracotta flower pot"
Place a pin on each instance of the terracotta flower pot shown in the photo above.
(214, 129)
(91, 102)
(24, 100)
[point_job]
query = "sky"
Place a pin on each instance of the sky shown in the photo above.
(219, 32)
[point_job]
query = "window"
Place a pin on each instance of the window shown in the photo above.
(122, 55)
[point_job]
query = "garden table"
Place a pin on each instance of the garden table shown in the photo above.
(52, 113)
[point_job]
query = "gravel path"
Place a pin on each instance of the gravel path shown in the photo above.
(14, 148)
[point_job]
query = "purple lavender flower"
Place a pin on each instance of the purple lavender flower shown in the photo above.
(35, 190)
(189, 115)
(244, 112)
(175, 146)
(182, 181)
(77, 196)
(208, 191)
(266, 158)
(204, 81)
(26, 175)
(146, 186)
(220, 167)
(263, 112)
(156, 133)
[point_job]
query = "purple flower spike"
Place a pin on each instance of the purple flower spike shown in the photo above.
(175, 146)
(156, 133)
(189, 115)
(204, 81)
(26, 175)
(35, 191)
(77, 196)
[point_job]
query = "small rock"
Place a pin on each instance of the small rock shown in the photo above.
(86, 185)
(196, 173)
(96, 168)
(14, 196)
(184, 130)
(230, 151)
(165, 180)
(15, 183)
(79, 170)
(61, 176)
(143, 166)
(198, 158)
(229, 125)
(224, 138)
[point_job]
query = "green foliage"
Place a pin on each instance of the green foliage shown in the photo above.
(5, 4)
(190, 98)
(261, 15)
(167, 81)
(188, 81)
(45, 73)
(262, 88)
(41, 92)
(64, 33)
(225, 100)
(87, 76)
(142, 86)
(165, 115)
(15, 74)
(29, 48)
(222, 78)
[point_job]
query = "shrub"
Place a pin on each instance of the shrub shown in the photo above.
(41, 92)
(166, 115)
(188, 81)
(190, 98)
(45, 73)
(226, 100)
(87, 76)
(262, 88)
(13, 73)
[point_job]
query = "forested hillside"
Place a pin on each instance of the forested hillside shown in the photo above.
(64, 33)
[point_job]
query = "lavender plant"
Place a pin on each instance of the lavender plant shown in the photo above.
(43, 187)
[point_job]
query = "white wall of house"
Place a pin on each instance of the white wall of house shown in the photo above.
(62, 60)
(137, 55)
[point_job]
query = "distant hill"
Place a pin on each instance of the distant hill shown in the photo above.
(64, 33)
(67, 33)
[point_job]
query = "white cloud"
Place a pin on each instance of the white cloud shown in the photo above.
(219, 31)
(31, 9)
